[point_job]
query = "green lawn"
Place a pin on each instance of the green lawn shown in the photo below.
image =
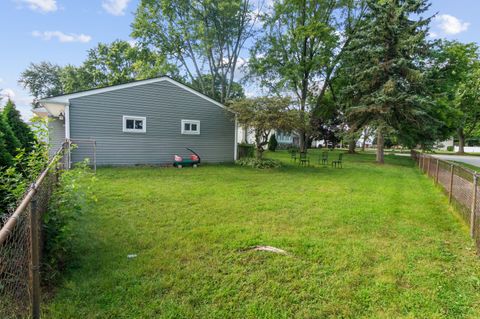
(365, 241)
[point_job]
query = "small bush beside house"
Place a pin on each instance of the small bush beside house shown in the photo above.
(272, 143)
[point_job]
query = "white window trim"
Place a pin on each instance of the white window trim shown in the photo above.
(128, 117)
(197, 132)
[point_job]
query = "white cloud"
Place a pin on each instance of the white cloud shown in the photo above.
(432, 35)
(115, 7)
(450, 24)
(41, 5)
(62, 37)
(6, 94)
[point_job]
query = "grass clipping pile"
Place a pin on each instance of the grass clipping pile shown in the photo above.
(258, 163)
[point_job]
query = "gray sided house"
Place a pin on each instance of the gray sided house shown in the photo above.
(142, 122)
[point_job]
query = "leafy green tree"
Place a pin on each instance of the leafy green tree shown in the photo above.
(301, 49)
(264, 115)
(20, 129)
(106, 64)
(386, 61)
(42, 79)
(203, 37)
(467, 105)
(120, 62)
(453, 77)
(236, 91)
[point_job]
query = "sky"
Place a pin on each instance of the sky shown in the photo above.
(61, 32)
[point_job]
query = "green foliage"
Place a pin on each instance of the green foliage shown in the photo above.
(23, 170)
(67, 204)
(300, 49)
(246, 150)
(42, 79)
(115, 63)
(106, 64)
(452, 77)
(265, 114)
(5, 156)
(262, 163)
(11, 144)
(272, 143)
(12, 187)
(450, 148)
(387, 66)
(20, 129)
(204, 37)
(213, 88)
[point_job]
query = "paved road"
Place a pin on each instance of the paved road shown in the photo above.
(472, 160)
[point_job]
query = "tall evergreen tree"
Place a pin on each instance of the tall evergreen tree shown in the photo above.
(21, 130)
(11, 142)
(5, 156)
(387, 62)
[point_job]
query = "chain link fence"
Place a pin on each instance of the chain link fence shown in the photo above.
(461, 185)
(21, 235)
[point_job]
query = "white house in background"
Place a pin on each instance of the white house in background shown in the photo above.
(283, 138)
(445, 144)
(368, 141)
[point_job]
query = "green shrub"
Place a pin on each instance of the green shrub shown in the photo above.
(68, 202)
(246, 150)
(450, 148)
(272, 143)
(23, 170)
(259, 163)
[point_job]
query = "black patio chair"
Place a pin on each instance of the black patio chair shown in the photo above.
(338, 162)
(303, 160)
(323, 158)
(293, 155)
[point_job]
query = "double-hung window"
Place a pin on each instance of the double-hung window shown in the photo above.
(190, 127)
(134, 124)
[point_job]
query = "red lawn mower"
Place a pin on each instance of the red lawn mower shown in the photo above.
(193, 160)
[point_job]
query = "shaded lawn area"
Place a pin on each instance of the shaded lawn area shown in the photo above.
(365, 241)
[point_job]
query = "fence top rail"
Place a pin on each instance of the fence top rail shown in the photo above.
(9, 225)
(468, 170)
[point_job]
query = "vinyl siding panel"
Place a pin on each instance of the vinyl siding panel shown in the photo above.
(56, 134)
(100, 117)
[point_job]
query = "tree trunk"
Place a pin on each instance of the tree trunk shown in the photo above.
(380, 146)
(301, 140)
(351, 146)
(364, 142)
(461, 141)
(245, 134)
(259, 153)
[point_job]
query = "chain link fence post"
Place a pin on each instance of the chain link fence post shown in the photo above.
(428, 166)
(35, 259)
(450, 190)
(436, 172)
(474, 204)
